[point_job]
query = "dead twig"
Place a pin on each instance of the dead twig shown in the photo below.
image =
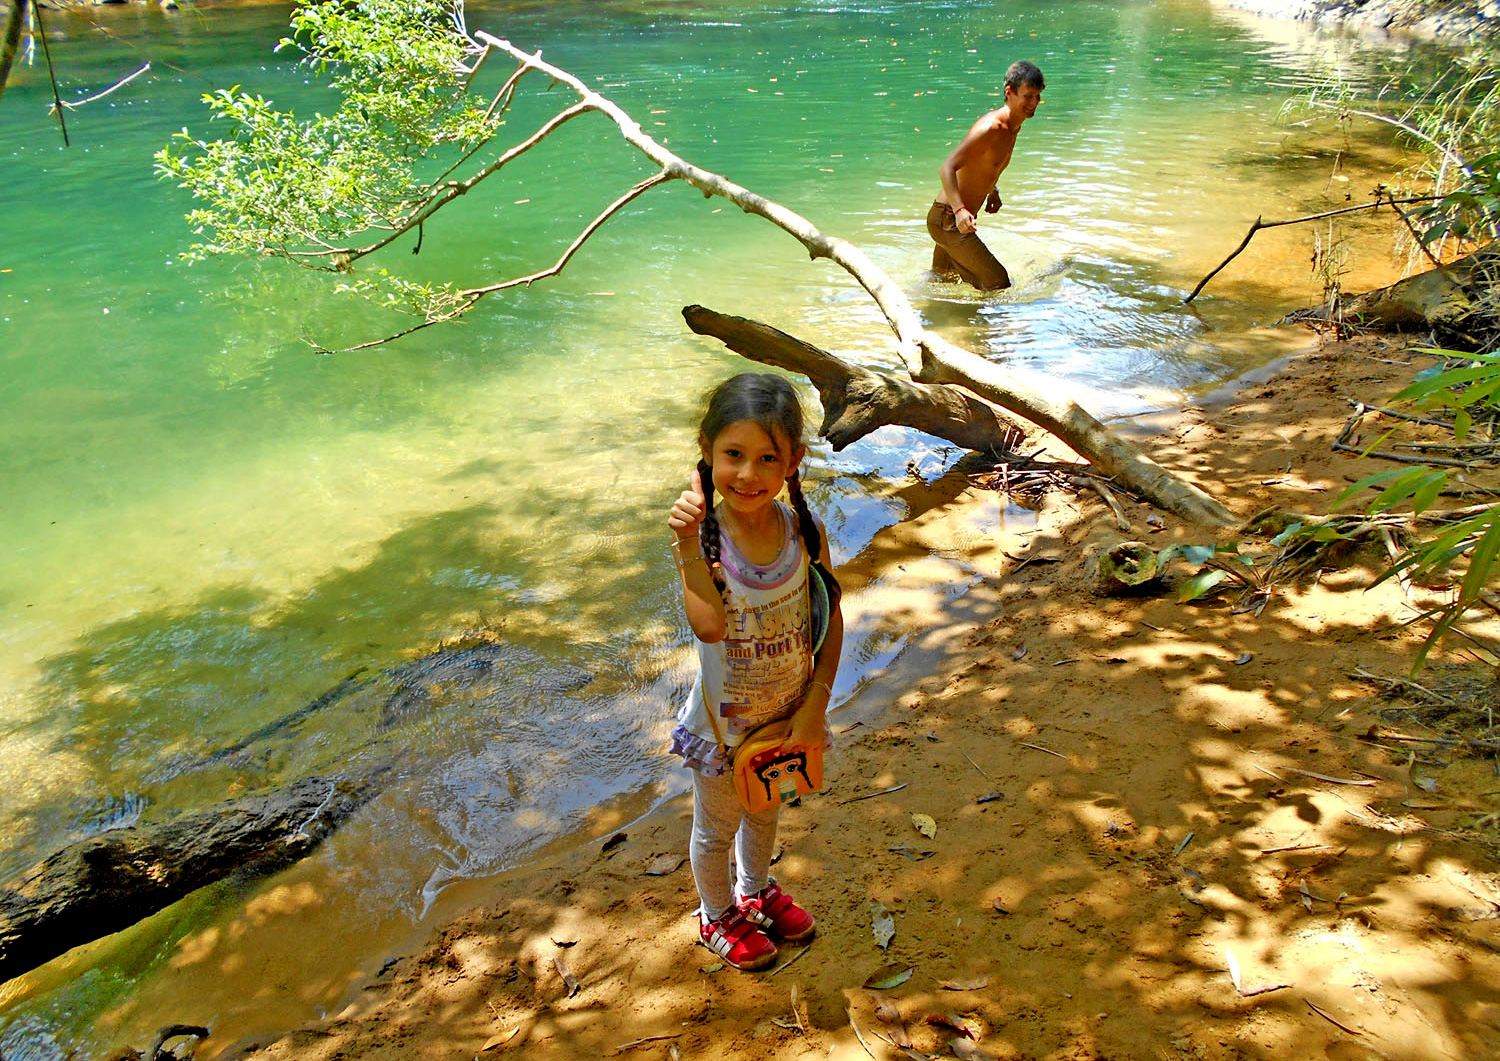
(793, 958)
(858, 1034)
(1330, 1020)
(1089, 482)
(1259, 224)
(872, 795)
(976, 766)
(634, 1043)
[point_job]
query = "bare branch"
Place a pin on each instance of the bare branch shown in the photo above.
(614, 207)
(443, 318)
(1411, 130)
(447, 193)
(75, 104)
(1258, 224)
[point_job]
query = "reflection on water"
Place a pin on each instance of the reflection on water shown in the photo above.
(226, 563)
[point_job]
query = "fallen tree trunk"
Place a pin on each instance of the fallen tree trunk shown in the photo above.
(936, 408)
(110, 881)
(1455, 302)
(855, 400)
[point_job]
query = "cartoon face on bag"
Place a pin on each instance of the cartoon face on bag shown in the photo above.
(779, 776)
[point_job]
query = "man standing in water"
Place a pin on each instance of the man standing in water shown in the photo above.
(969, 177)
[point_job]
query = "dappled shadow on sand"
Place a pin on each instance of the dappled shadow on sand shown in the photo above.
(1158, 835)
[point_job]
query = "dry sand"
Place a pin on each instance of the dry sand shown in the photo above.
(1192, 853)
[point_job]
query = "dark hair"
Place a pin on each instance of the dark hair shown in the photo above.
(770, 402)
(1024, 73)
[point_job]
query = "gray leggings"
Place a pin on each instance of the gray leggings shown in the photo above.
(719, 819)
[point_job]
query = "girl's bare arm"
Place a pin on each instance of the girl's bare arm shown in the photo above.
(700, 597)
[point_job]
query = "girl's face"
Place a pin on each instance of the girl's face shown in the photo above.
(749, 466)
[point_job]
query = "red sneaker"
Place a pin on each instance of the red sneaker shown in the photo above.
(736, 940)
(773, 910)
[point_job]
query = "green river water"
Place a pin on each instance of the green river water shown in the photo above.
(205, 526)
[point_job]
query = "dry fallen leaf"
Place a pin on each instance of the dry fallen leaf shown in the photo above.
(889, 976)
(882, 925)
(965, 985)
(568, 978)
(662, 865)
(969, 1029)
(1234, 969)
(925, 825)
(968, 1051)
(887, 1013)
(799, 1009)
(500, 1039)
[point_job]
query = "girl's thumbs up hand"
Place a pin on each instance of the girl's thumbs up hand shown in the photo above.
(688, 510)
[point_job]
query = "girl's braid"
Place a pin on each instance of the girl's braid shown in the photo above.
(708, 532)
(808, 526)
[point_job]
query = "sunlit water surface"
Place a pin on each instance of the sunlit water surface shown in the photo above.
(223, 557)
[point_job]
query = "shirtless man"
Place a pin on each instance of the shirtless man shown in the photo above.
(969, 177)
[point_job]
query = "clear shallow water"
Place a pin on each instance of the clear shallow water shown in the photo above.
(205, 527)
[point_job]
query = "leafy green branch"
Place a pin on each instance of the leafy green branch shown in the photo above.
(1471, 391)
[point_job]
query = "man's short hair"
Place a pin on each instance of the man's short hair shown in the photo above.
(1024, 73)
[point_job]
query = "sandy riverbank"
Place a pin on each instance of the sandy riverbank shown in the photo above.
(1184, 792)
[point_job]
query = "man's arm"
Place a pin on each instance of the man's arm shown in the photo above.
(973, 153)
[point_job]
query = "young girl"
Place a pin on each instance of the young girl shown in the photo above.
(744, 567)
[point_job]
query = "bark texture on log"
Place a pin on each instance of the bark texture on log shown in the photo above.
(931, 406)
(855, 400)
(1452, 301)
(110, 881)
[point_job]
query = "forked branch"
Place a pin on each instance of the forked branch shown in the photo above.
(1258, 224)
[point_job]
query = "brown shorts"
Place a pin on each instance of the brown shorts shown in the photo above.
(963, 253)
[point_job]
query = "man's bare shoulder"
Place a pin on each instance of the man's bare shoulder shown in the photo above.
(993, 126)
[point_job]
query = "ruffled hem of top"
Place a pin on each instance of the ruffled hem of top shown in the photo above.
(698, 754)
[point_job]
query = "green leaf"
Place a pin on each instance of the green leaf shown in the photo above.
(1292, 531)
(1197, 554)
(1200, 584)
(1366, 483)
(1403, 487)
(1481, 563)
(1428, 491)
(889, 976)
